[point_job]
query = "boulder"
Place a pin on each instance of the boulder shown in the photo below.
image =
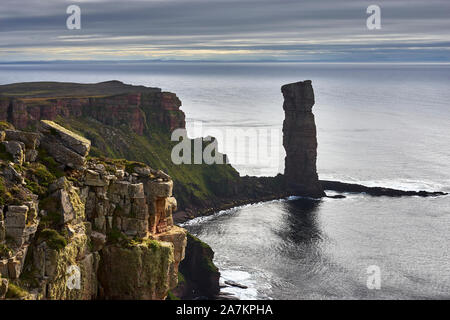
(16, 149)
(63, 145)
(143, 171)
(63, 155)
(68, 138)
(11, 174)
(159, 189)
(30, 139)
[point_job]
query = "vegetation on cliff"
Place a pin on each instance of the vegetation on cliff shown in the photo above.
(64, 216)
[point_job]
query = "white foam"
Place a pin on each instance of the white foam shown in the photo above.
(241, 277)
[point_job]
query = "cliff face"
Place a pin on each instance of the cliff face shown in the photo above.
(78, 228)
(200, 275)
(128, 109)
(300, 140)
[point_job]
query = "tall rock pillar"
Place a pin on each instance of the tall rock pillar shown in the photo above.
(300, 140)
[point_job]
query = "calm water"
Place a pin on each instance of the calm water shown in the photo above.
(380, 125)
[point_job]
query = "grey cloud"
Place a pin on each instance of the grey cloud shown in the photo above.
(284, 26)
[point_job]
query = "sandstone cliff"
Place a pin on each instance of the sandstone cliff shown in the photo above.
(111, 103)
(300, 140)
(73, 227)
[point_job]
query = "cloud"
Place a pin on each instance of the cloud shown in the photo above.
(224, 29)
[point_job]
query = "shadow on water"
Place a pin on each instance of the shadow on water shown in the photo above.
(300, 221)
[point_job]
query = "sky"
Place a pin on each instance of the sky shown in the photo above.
(226, 30)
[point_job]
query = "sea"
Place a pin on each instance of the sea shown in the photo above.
(378, 125)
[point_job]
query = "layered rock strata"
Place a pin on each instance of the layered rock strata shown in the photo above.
(300, 140)
(134, 107)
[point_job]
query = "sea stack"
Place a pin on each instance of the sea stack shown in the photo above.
(300, 140)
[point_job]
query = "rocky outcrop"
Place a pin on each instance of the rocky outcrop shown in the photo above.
(138, 272)
(102, 230)
(66, 147)
(299, 140)
(16, 149)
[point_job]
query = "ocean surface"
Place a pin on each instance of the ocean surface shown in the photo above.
(379, 125)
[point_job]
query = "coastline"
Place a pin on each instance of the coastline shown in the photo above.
(183, 216)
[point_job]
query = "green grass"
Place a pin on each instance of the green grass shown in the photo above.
(15, 292)
(50, 163)
(53, 239)
(47, 89)
(43, 176)
(12, 195)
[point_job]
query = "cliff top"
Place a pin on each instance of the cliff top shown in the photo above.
(69, 89)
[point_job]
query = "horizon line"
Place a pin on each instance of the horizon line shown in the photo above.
(219, 61)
